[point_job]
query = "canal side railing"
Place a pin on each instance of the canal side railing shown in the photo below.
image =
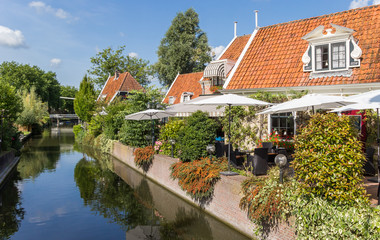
(225, 201)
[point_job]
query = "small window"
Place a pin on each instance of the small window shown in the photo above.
(338, 55)
(322, 57)
(330, 56)
(171, 100)
(283, 124)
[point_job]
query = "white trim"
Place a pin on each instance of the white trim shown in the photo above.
(175, 79)
(225, 49)
(113, 97)
(109, 76)
(240, 58)
(326, 89)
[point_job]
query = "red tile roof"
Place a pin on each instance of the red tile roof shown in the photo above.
(124, 83)
(274, 57)
(236, 47)
(188, 82)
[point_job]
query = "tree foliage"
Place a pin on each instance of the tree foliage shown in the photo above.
(35, 111)
(108, 61)
(10, 101)
(67, 105)
(184, 49)
(24, 76)
(84, 103)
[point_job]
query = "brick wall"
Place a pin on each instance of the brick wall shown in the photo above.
(225, 202)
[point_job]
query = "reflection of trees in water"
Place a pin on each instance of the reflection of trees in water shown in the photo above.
(11, 212)
(109, 195)
(32, 164)
(42, 153)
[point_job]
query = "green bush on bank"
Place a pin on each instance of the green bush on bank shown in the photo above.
(318, 218)
(329, 160)
(170, 131)
(198, 132)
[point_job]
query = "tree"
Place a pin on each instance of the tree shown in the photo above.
(10, 101)
(108, 61)
(35, 111)
(24, 76)
(67, 105)
(84, 103)
(184, 49)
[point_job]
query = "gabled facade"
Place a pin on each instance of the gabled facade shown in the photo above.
(119, 84)
(337, 53)
(189, 86)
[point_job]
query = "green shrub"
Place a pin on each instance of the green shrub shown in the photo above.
(78, 132)
(318, 218)
(171, 131)
(103, 143)
(115, 118)
(199, 131)
(198, 177)
(329, 160)
(144, 157)
(266, 200)
(137, 133)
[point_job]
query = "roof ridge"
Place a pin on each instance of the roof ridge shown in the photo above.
(190, 73)
(321, 16)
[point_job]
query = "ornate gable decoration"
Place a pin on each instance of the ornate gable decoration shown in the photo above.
(331, 52)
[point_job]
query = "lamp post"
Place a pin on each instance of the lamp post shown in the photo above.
(172, 142)
(281, 161)
(210, 149)
(153, 104)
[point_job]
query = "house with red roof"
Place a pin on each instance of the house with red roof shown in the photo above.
(119, 84)
(337, 53)
(189, 86)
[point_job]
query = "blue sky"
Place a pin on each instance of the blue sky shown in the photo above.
(62, 35)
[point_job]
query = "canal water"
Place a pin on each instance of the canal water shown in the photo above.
(63, 191)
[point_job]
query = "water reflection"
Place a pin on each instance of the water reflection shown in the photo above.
(78, 193)
(11, 211)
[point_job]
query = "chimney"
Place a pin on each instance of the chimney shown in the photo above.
(256, 18)
(235, 26)
(117, 73)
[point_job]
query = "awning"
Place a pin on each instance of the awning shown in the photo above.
(215, 69)
(185, 110)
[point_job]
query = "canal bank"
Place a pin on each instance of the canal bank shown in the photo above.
(224, 204)
(8, 161)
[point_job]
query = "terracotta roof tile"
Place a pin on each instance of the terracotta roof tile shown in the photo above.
(274, 56)
(124, 83)
(236, 47)
(188, 82)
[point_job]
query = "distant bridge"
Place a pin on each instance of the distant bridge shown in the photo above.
(65, 116)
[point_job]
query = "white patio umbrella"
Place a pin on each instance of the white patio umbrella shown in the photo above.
(308, 102)
(230, 100)
(149, 114)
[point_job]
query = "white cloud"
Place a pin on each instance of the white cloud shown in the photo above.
(55, 62)
(358, 3)
(133, 54)
(216, 51)
(376, 2)
(58, 12)
(11, 38)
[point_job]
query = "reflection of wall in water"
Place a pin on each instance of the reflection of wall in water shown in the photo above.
(175, 210)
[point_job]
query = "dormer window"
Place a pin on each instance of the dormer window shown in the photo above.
(171, 100)
(331, 52)
(186, 96)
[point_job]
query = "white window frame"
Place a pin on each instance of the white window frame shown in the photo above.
(171, 100)
(329, 44)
